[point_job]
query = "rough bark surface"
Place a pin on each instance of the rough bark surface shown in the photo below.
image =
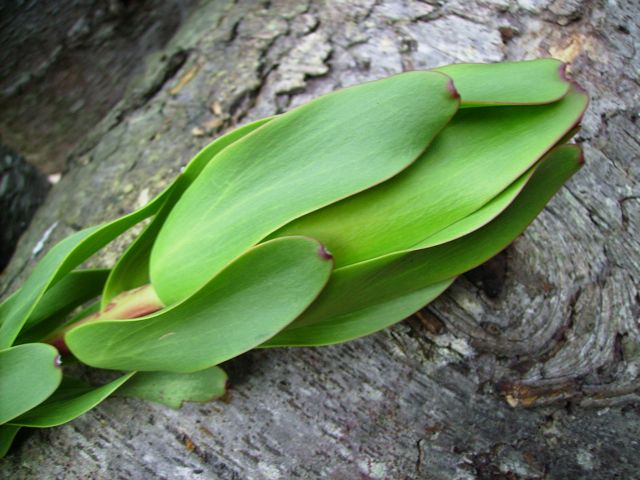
(526, 368)
(64, 65)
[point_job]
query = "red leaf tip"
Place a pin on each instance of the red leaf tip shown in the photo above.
(452, 89)
(581, 158)
(324, 253)
(562, 71)
(564, 75)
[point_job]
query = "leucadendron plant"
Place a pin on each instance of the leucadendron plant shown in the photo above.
(314, 227)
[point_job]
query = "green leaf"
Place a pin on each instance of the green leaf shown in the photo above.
(314, 155)
(247, 303)
(381, 311)
(349, 310)
(509, 83)
(351, 304)
(83, 313)
(480, 217)
(479, 154)
(7, 434)
(71, 291)
(59, 261)
(71, 400)
(132, 268)
(171, 389)
(9, 303)
(29, 373)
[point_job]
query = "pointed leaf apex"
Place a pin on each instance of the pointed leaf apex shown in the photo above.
(452, 88)
(562, 71)
(324, 253)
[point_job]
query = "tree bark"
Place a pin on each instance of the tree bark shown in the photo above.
(528, 367)
(64, 65)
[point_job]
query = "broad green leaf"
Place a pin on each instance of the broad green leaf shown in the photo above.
(71, 291)
(29, 373)
(171, 389)
(7, 434)
(60, 260)
(355, 295)
(9, 303)
(17, 308)
(71, 400)
(366, 312)
(252, 299)
(480, 217)
(479, 154)
(508, 83)
(49, 335)
(314, 155)
(383, 312)
(132, 268)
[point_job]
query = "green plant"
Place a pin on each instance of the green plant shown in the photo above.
(408, 181)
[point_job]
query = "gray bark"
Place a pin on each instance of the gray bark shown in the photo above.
(526, 368)
(64, 65)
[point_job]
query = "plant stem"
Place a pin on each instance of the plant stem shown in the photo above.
(134, 303)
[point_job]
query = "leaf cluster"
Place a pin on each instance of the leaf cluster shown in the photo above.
(408, 181)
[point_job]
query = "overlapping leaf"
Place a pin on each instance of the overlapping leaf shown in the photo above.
(341, 170)
(508, 83)
(312, 156)
(480, 217)
(132, 269)
(73, 250)
(29, 374)
(366, 297)
(72, 399)
(73, 290)
(7, 434)
(58, 262)
(451, 180)
(246, 304)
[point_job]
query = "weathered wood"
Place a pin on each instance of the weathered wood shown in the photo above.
(551, 324)
(64, 65)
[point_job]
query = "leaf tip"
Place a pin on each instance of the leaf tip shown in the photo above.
(564, 75)
(324, 253)
(452, 90)
(562, 71)
(59, 344)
